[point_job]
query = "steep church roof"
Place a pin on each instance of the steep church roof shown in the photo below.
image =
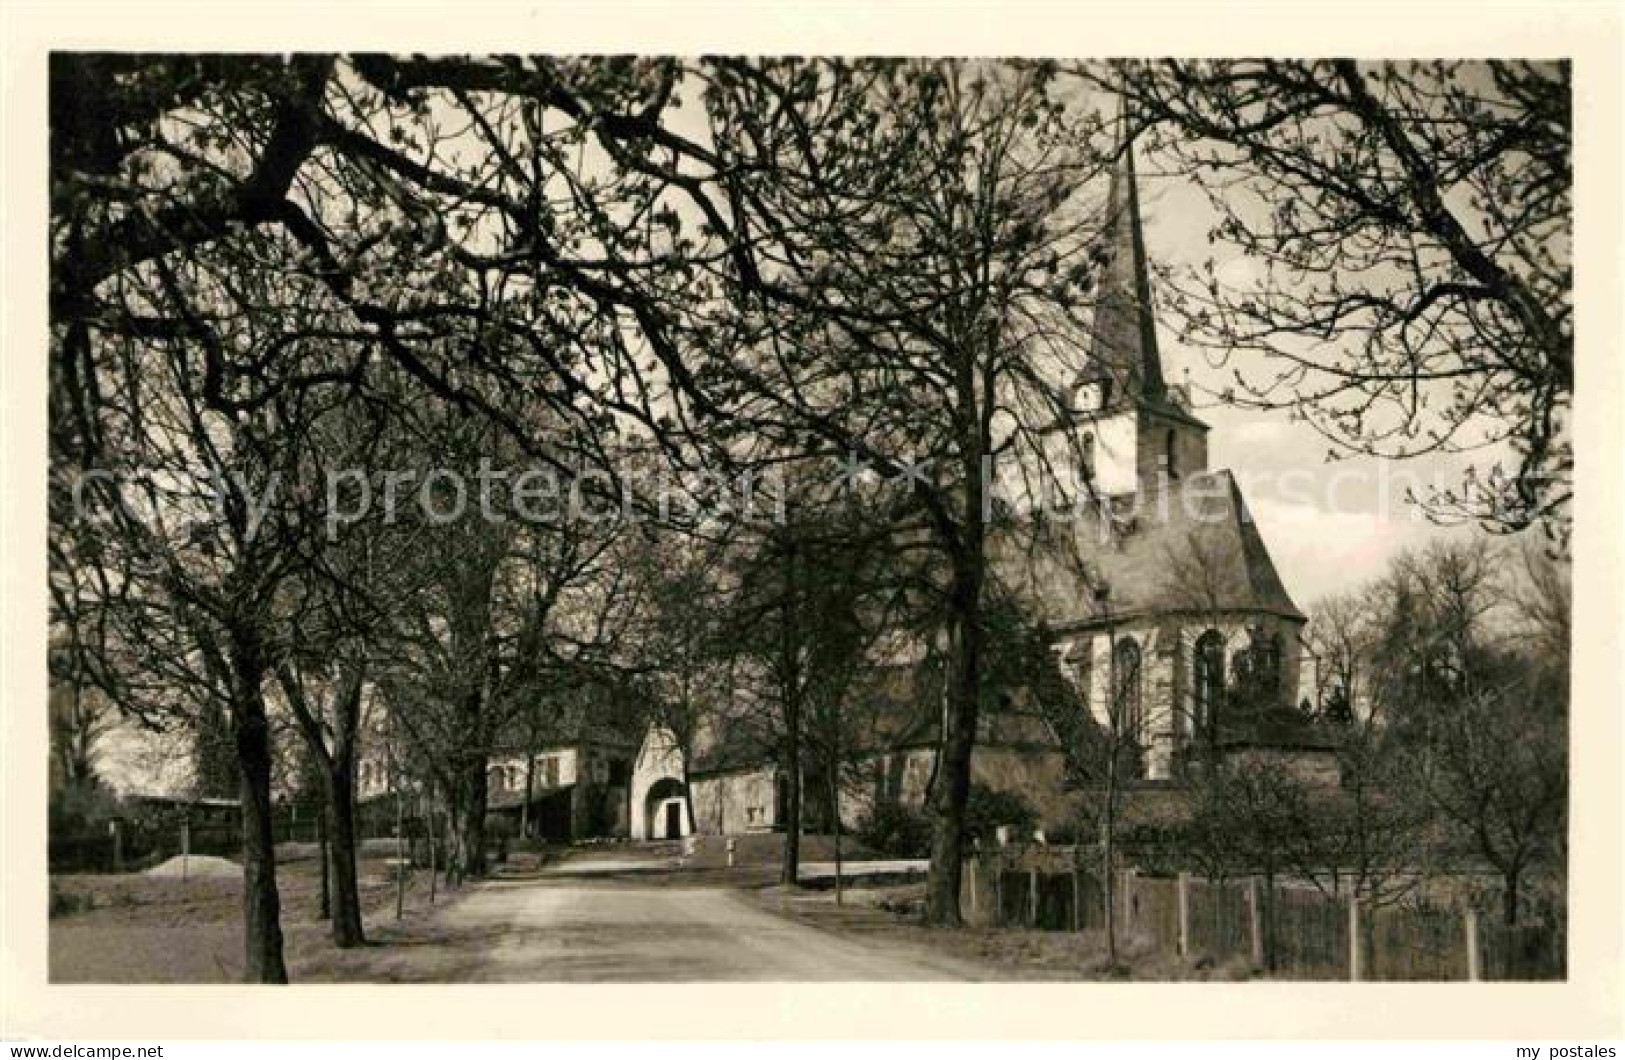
(1191, 546)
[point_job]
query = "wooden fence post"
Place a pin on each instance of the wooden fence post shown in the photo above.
(1126, 898)
(1032, 897)
(1255, 927)
(971, 872)
(1182, 894)
(1354, 937)
(1469, 923)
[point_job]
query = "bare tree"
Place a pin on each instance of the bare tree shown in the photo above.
(193, 522)
(81, 715)
(1408, 225)
(1257, 817)
(917, 250)
(1479, 704)
(677, 648)
(500, 621)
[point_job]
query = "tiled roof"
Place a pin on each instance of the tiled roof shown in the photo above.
(897, 707)
(1190, 546)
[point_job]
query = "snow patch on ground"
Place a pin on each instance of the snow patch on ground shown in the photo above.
(199, 865)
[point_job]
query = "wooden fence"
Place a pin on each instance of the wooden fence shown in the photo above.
(1288, 931)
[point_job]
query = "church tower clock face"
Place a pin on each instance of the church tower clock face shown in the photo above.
(1089, 396)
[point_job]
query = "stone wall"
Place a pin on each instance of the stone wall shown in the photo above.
(1167, 653)
(729, 803)
(659, 759)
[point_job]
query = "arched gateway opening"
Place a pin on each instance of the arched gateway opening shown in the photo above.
(663, 809)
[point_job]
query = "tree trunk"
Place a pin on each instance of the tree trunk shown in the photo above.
(688, 798)
(1509, 899)
(262, 907)
(469, 822)
(347, 925)
(790, 870)
(958, 742)
(835, 827)
(1268, 909)
(1108, 882)
(530, 788)
(324, 851)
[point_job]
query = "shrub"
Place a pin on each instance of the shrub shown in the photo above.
(988, 808)
(79, 809)
(1070, 833)
(896, 831)
(66, 903)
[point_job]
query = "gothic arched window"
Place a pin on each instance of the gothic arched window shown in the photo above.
(1087, 445)
(1207, 686)
(1257, 671)
(1168, 451)
(1128, 700)
(1080, 661)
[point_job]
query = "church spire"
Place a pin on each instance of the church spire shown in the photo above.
(1124, 347)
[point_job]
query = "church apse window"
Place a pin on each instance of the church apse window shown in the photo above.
(1129, 700)
(1207, 687)
(1082, 671)
(1256, 672)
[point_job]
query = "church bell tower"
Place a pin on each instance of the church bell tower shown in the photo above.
(1133, 431)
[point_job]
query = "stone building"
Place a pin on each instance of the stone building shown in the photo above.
(567, 783)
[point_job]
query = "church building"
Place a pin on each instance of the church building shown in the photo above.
(1166, 603)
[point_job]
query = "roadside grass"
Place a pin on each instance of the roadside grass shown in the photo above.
(890, 916)
(135, 928)
(767, 849)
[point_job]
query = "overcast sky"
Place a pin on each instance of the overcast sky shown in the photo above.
(1330, 525)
